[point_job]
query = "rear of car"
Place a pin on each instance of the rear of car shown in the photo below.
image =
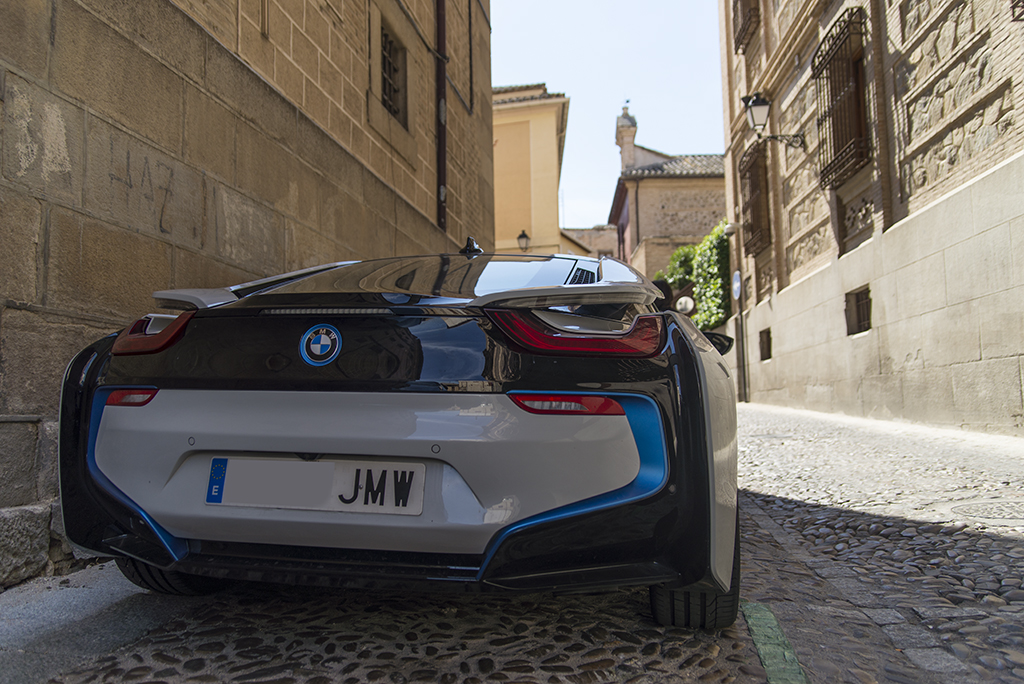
(473, 421)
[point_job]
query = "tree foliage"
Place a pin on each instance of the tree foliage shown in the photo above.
(711, 278)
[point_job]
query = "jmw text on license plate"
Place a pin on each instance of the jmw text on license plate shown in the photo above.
(351, 486)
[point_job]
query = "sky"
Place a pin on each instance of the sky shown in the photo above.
(661, 55)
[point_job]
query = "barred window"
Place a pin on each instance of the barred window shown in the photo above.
(746, 16)
(838, 72)
(1017, 9)
(754, 197)
(392, 67)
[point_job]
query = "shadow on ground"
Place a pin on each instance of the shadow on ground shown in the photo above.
(947, 596)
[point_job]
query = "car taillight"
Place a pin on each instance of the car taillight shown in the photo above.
(131, 397)
(134, 340)
(568, 404)
(644, 339)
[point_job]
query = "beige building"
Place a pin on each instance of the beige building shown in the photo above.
(883, 264)
(159, 144)
(662, 201)
(529, 139)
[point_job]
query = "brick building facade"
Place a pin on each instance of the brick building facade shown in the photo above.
(662, 201)
(882, 262)
(159, 144)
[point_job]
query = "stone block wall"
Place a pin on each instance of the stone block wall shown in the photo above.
(927, 224)
(687, 207)
(599, 239)
(152, 144)
(946, 345)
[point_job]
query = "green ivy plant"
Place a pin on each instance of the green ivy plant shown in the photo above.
(679, 271)
(711, 278)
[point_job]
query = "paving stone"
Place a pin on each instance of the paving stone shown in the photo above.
(934, 659)
(948, 612)
(910, 636)
(884, 616)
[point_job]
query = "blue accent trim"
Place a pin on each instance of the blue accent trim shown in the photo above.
(178, 548)
(305, 338)
(649, 434)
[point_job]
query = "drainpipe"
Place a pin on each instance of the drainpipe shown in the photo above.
(441, 78)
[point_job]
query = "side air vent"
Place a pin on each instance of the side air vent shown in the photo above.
(583, 277)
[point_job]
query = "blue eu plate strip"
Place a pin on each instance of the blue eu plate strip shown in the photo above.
(218, 471)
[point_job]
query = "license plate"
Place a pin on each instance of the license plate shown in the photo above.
(349, 486)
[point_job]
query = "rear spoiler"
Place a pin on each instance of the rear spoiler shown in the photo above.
(194, 298)
(209, 297)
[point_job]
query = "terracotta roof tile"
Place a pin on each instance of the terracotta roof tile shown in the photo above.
(683, 166)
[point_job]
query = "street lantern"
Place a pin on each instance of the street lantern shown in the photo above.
(757, 116)
(524, 241)
(757, 111)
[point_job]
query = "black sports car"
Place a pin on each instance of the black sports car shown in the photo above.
(476, 421)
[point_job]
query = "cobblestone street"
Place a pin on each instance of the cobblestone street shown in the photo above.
(884, 552)
(911, 534)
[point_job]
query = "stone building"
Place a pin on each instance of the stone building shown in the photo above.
(662, 201)
(883, 262)
(601, 240)
(158, 144)
(529, 140)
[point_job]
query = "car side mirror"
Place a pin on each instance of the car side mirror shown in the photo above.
(723, 343)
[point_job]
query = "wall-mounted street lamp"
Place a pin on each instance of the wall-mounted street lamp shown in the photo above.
(757, 116)
(524, 241)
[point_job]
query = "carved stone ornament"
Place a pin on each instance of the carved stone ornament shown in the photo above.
(809, 247)
(859, 217)
(765, 278)
(940, 159)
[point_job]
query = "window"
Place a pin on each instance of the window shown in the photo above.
(858, 311)
(838, 72)
(1017, 8)
(754, 197)
(766, 344)
(745, 19)
(392, 75)
(392, 107)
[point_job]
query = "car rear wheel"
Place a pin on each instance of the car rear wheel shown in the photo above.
(167, 581)
(699, 609)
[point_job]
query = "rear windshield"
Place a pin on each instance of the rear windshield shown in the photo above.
(446, 275)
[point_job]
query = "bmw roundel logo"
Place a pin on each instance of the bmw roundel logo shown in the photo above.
(320, 345)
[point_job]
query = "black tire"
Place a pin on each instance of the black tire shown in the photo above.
(167, 581)
(699, 609)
